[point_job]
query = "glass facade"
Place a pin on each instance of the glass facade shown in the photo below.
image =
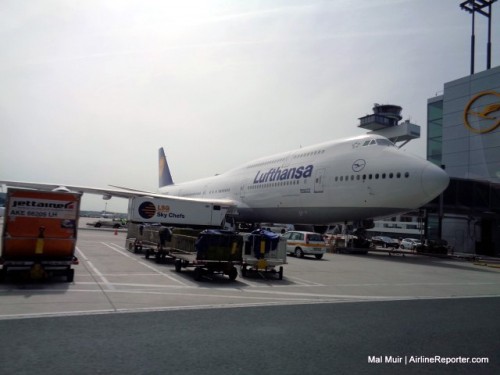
(435, 130)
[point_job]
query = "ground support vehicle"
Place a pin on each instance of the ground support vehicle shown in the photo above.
(186, 212)
(348, 244)
(150, 239)
(263, 252)
(39, 233)
(213, 251)
(150, 220)
(300, 243)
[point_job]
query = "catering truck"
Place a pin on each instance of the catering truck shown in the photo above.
(39, 233)
(148, 219)
(178, 212)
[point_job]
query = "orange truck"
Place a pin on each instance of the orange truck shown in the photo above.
(39, 233)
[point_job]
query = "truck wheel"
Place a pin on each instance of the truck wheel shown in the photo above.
(244, 270)
(70, 275)
(233, 273)
(198, 273)
(280, 273)
(178, 265)
(146, 255)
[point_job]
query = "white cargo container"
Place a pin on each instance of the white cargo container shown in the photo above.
(181, 212)
(261, 255)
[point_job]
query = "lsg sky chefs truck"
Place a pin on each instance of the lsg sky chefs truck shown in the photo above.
(39, 233)
(147, 217)
(180, 212)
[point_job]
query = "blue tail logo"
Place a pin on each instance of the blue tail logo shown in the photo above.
(164, 171)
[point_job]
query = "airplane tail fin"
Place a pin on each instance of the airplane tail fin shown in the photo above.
(165, 176)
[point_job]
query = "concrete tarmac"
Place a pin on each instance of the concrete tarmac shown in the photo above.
(125, 314)
(391, 337)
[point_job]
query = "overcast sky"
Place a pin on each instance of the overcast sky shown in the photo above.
(91, 89)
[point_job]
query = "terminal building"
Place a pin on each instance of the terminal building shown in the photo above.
(464, 138)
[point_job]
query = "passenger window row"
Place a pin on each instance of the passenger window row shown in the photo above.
(372, 176)
(303, 155)
(267, 162)
(227, 190)
(273, 184)
(275, 161)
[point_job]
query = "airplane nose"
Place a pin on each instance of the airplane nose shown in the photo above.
(434, 180)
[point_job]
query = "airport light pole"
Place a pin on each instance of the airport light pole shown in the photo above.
(479, 6)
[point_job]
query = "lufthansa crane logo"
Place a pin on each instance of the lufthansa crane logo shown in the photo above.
(482, 113)
(358, 165)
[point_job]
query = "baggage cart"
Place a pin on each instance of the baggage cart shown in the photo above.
(149, 239)
(213, 251)
(263, 252)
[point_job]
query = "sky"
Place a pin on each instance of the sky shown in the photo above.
(91, 89)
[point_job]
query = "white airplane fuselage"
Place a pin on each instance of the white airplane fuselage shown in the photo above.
(350, 179)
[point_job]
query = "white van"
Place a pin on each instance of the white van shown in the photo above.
(305, 243)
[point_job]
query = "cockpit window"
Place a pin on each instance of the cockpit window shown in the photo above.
(384, 142)
(380, 142)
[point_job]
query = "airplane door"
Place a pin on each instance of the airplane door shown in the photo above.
(242, 189)
(319, 178)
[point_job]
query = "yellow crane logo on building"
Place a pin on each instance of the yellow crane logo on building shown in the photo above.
(482, 112)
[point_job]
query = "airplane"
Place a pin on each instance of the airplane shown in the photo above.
(351, 179)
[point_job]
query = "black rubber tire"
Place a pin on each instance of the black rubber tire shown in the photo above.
(233, 273)
(178, 265)
(299, 253)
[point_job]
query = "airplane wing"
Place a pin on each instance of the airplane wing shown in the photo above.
(120, 192)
